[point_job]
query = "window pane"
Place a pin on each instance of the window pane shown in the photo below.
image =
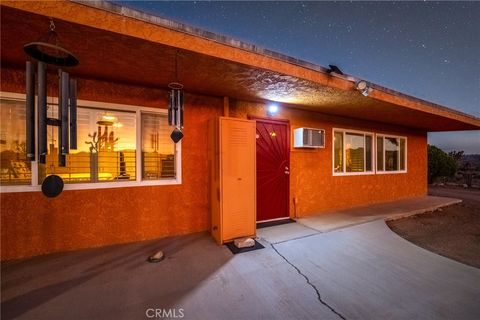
(106, 147)
(402, 154)
(368, 153)
(15, 169)
(338, 151)
(391, 154)
(354, 152)
(379, 153)
(158, 149)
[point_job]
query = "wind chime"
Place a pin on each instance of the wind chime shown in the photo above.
(48, 54)
(175, 119)
(175, 106)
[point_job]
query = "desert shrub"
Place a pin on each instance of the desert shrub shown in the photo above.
(440, 164)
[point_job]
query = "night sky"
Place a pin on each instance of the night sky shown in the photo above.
(430, 50)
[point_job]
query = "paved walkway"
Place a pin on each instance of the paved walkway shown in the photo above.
(332, 220)
(368, 272)
(358, 272)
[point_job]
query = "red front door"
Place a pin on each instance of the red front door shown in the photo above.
(273, 169)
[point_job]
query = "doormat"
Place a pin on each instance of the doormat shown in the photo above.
(274, 223)
(236, 250)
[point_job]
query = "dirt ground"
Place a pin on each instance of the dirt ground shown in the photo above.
(453, 232)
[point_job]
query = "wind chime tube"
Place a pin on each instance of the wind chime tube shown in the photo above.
(42, 111)
(73, 114)
(170, 108)
(64, 119)
(61, 157)
(175, 107)
(180, 109)
(30, 111)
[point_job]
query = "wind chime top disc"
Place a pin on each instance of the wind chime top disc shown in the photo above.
(50, 54)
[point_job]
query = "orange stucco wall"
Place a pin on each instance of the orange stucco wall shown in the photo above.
(32, 224)
(311, 180)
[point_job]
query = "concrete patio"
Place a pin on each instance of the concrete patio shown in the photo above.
(328, 221)
(355, 272)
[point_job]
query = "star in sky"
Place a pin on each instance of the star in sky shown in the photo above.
(430, 50)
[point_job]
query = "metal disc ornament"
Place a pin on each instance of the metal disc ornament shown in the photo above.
(52, 186)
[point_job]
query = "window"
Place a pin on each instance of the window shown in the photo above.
(105, 151)
(338, 151)
(14, 167)
(352, 152)
(158, 150)
(379, 153)
(391, 153)
(117, 146)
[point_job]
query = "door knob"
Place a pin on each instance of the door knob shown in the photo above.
(287, 172)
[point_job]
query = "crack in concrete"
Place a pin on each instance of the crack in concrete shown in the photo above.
(319, 297)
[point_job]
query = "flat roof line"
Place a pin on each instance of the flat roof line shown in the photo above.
(195, 31)
(232, 42)
(415, 99)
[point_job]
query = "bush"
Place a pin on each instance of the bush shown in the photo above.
(440, 164)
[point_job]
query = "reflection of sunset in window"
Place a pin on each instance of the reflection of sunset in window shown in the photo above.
(157, 147)
(14, 168)
(106, 148)
(107, 142)
(393, 157)
(352, 152)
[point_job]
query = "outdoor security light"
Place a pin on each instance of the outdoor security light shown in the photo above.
(363, 87)
(272, 109)
(334, 68)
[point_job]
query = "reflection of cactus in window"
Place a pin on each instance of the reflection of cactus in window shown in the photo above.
(102, 142)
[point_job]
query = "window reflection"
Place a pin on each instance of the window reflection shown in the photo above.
(354, 152)
(15, 169)
(338, 151)
(106, 148)
(391, 154)
(157, 148)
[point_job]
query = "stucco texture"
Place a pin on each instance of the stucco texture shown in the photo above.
(32, 224)
(311, 180)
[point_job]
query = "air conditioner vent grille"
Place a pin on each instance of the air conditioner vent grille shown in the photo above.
(309, 138)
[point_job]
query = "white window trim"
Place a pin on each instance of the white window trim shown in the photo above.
(383, 136)
(344, 173)
(34, 187)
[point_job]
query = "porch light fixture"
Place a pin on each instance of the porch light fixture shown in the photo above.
(175, 106)
(363, 87)
(47, 52)
(272, 109)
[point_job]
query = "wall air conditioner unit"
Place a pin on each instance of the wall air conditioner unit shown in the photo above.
(309, 138)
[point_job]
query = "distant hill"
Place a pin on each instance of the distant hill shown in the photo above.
(472, 159)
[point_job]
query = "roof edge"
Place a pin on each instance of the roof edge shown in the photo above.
(198, 32)
(239, 44)
(306, 70)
